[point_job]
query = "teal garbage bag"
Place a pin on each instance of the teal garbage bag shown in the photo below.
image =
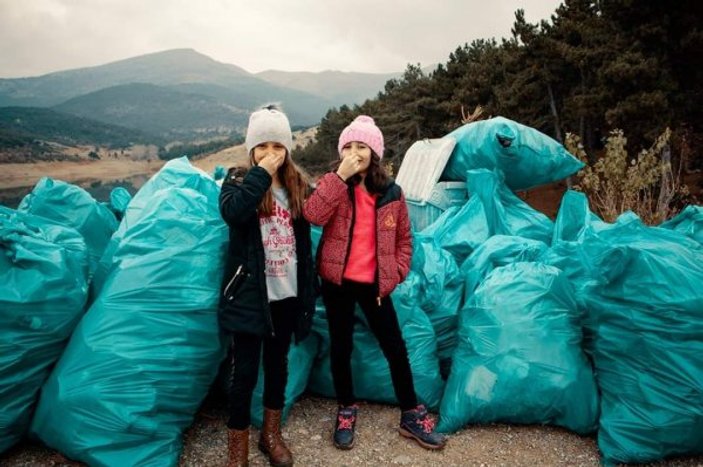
(143, 357)
(438, 288)
(527, 157)
(688, 222)
(119, 200)
(435, 226)
(645, 328)
(371, 374)
(574, 221)
(175, 173)
(301, 357)
(43, 289)
(219, 173)
(421, 342)
(491, 210)
(519, 357)
(574, 218)
(71, 205)
(499, 250)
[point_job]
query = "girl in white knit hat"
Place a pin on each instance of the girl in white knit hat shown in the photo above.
(268, 287)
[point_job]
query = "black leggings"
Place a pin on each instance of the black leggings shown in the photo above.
(246, 354)
(383, 322)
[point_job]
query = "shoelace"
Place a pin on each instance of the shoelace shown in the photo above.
(427, 424)
(345, 423)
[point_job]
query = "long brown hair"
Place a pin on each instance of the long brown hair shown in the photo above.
(295, 181)
(376, 180)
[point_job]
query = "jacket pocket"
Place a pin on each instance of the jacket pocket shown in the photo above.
(234, 283)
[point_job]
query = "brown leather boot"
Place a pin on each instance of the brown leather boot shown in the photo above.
(238, 448)
(271, 442)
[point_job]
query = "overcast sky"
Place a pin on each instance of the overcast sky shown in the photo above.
(41, 36)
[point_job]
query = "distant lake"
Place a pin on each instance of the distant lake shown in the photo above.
(100, 190)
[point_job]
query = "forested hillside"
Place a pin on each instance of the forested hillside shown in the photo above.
(27, 134)
(593, 67)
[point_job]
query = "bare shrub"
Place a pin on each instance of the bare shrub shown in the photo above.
(646, 184)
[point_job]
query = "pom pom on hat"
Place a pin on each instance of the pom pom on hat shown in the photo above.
(268, 124)
(364, 130)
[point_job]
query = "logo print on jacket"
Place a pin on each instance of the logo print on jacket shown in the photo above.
(389, 221)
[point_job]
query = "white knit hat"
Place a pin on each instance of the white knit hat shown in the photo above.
(268, 124)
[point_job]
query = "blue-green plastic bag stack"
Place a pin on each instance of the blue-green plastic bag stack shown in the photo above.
(435, 285)
(119, 200)
(43, 289)
(144, 356)
(492, 209)
(519, 357)
(645, 322)
(566, 251)
(499, 250)
(177, 172)
(527, 157)
(71, 205)
(689, 222)
(640, 288)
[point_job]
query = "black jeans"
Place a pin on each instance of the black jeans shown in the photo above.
(383, 322)
(246, 355)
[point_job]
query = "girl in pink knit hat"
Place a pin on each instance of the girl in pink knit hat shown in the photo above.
(364, 253)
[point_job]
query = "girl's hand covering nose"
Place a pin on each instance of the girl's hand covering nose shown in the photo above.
(349, 167)
(271, 162)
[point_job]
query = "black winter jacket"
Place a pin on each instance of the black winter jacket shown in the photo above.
(248, 311)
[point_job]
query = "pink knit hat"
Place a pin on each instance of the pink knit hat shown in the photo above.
(364, 130)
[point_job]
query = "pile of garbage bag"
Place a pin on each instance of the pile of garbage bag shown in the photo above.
(640, 287)
(146, 352)
(72, 206)
(43, 290)
(507, 315)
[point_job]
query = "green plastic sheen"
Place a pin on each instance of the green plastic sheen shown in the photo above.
(144, 356)
(177, 172)
(71, 205)
(527, 157)
(519, 357)
(689, 222)
(641, 289)
(43, 289)
(492, 209)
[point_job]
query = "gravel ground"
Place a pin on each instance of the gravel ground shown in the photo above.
(309, 430)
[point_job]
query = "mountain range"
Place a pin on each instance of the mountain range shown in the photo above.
(181, 95)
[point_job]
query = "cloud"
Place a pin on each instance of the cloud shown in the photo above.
(39, 36)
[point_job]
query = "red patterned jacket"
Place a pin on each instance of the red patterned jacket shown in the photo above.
(331, 206)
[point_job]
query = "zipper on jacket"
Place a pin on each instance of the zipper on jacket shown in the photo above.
(236, 274)
(377, 274)
(351, 230)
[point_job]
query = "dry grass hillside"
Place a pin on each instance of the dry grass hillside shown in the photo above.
(113, 166)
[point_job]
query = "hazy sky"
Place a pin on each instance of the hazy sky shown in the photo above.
(41, 36)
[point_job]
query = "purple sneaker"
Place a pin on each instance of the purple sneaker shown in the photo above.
(416, 424)
(344, 427)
